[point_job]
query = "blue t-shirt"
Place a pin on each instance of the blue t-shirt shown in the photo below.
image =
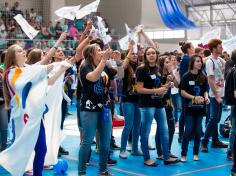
(183, 68)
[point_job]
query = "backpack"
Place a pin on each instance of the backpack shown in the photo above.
(229, 88)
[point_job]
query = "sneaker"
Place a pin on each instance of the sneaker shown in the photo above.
(62, 151)
(183, 159)
(160, 157)
(115, 147)
(106, 173)
(123, 155)
(111, 162)
(204, 148)
(218, 144)
(195, 158)
(171, 161)
(129, 147)
(47, 167)
(29, 172)
(137, 153)
(229, 155)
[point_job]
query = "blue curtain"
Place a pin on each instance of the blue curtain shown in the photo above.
(172, 15)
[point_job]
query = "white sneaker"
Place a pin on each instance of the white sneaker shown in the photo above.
(129, 147)
(123, 155)
(195, 158)
(183, 159)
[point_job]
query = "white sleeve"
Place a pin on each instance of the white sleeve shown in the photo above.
(209, 67)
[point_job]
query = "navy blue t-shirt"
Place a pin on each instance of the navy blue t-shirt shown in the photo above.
(191, 84)
(151, 78)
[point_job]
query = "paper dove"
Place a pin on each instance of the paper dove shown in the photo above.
(68, 12)
(210, 35)
(229, 45)
(26, 27)
(86, 10)
(130, 38)
(102, 31)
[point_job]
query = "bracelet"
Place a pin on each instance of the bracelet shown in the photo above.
(194, 99)
(120, 64)
(55, 47)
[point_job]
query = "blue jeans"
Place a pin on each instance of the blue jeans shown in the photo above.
(147, 115)
(132, 120)
(171, 129)
(176, 100)
(3, 128)
(182, 119)
(192, 124)
(78, 113)
(91, 121)
(232, 133)
(212, 126)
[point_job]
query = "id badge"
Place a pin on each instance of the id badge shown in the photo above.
(153, 76)
(191, 83)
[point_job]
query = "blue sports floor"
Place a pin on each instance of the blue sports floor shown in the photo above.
(213, 163)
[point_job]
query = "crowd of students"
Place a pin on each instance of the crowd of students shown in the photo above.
(146, 83)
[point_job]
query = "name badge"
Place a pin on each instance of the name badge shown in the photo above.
(153, 76)
(191, 83)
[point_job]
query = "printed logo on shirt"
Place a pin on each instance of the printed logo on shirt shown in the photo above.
(197, 90)
(89, 105)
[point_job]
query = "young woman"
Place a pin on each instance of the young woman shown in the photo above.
(151, 105)
(130, 106)
(188, 50)
(25, 93)
(194, 92)
(95, 112)
(167, 76)
(175, 96)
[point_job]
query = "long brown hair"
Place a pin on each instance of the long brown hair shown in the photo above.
(145, 61)
(192, 60)
(10, 60)
(34, 56)
(89, 52)
(131, 69)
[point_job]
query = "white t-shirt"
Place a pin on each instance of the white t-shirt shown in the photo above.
(216, 68)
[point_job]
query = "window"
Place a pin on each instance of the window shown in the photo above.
(165, 34)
